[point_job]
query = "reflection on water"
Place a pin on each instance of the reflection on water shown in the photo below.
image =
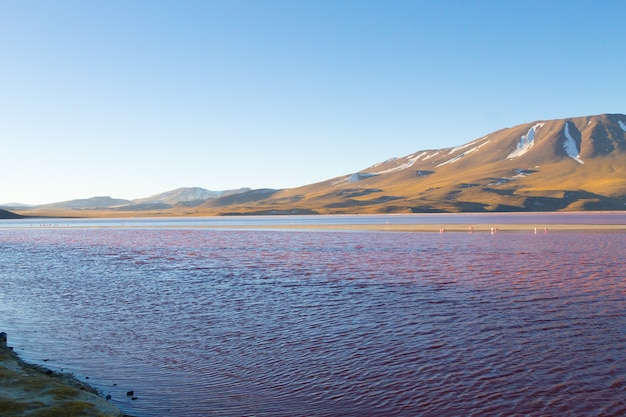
(205, 322)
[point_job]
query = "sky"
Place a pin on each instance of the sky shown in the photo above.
(132, 98)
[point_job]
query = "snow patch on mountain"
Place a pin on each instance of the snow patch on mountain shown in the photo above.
(520, 173)
(526, 142)
(360, 176)
(403, 163)
(451, 161)
(431, 156)
(461, 155)
(467, 145)
(622, 125)
(388, 161)
(419, 156)
(410, 160)
(570, 145)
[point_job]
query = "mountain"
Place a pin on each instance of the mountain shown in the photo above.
(180, 197)
(93, 203)
(15, 206)
(567, 164)
(189, 197)
(573, 164)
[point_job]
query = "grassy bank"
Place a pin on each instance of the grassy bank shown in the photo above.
(34, 391)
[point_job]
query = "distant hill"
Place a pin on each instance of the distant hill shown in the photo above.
(187, 197)
(5, 214)
(93, 203)
(169, 201)
(15, 206)
(573, 164)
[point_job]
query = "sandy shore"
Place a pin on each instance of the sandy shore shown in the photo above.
(31, 390)
(434, 227)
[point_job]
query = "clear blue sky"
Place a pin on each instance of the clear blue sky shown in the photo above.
(132, 98)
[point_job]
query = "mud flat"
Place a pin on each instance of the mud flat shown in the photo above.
(31, 390)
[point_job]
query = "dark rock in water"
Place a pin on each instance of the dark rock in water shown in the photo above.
(108, 397)
(3, 341)
(130, 393)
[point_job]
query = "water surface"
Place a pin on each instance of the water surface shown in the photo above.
(281, 323)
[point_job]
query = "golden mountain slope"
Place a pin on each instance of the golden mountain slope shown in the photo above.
(571, 164)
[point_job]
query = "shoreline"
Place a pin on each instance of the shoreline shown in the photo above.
(465, 228)
(357, 227)
(428, 222)
(33, 390)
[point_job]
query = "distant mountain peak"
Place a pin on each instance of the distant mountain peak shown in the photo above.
(186, 194)
(99, 202)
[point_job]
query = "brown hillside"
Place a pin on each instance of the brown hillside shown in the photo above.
(491, 173)
(566, 164)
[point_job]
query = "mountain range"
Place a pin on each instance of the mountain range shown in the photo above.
(573, 164)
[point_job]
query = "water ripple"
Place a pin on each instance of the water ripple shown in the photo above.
(202, 322)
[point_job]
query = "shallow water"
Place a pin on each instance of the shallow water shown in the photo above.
(240, 322)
